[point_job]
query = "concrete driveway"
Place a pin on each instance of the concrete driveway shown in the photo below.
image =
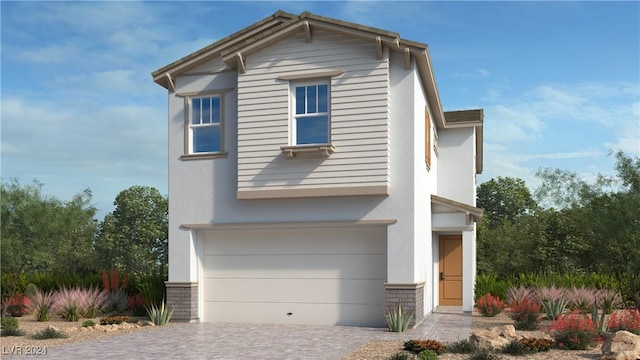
(251, 341)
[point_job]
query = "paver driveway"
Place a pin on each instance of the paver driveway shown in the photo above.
(251, 341)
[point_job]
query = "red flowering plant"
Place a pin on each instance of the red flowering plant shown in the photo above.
(628, 320)
(526, 313)
(574, 331)
(18, 305)
(489, 305)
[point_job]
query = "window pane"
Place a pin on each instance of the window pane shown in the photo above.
(206, 139)
(311, 100)
(215, 109)
(312, 130)
(323, 98)
(300, 99)
(195, 111)
(206, 110)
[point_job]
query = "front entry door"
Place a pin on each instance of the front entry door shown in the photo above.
(451, 270)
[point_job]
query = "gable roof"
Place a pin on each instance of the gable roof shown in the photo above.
(269, 30)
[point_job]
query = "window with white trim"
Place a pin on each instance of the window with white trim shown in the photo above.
(310, 122)
(205, 125)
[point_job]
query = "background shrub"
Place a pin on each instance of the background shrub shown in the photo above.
(109, 320)
(9, 323)
(536, 345)
(427, 355)
(491, 283)
(461, 347)
(88, 323)
(515, 347)
(418, 346)
(49, 333)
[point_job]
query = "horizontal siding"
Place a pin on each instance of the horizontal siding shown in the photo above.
(359, 115)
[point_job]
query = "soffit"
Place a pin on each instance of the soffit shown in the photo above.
(442, 205)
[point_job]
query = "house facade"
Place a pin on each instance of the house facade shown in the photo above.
(315, 179)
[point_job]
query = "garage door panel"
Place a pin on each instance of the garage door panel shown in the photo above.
(341, 266)
(294, 290)
(296, 313)
(319, 241)
(320, 276)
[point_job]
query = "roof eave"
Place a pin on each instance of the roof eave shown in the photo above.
(473, 211)
(214, 49)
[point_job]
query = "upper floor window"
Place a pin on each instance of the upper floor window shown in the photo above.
(205, 125)
(310, 123)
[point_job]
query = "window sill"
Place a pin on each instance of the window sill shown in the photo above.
(203, 156)
(308, 151)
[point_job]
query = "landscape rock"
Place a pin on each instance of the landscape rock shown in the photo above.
(494, 338)
(622, 345)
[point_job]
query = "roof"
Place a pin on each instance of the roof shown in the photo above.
(448, 206)
(280, 25)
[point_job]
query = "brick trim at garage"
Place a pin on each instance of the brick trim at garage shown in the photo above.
(183, 298)
(409, 296)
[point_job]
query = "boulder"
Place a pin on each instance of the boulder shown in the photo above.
(622, 345)
(494, 338)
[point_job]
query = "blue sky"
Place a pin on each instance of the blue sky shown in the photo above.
(559, 81)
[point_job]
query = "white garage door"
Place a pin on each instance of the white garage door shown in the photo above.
(332, 276)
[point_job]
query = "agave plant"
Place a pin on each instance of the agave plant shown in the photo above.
(397, 321)
(159, 315)
(553, 300)
(605, 302)
(117, 300)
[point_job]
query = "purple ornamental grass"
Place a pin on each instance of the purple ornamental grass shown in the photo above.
(581, 298)
(550, 293)
(608, 300)
(41, 304)
(95, 301)
(75, 302)
(516, 295)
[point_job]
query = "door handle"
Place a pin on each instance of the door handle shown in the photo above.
(441, 276)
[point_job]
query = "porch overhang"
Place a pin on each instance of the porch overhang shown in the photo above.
(447, 214)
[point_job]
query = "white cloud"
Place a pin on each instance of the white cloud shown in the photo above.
(475, 73)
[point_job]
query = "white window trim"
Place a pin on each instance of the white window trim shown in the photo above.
(188, 138)
(293, 117)
(294, 150)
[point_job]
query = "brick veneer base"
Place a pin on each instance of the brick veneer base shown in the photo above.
(183, 298)
(409, 296)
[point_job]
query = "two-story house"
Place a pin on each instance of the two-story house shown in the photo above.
(314, 178)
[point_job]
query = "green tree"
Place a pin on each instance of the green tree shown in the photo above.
(504, 199)
(606, 214)
(134, 236)
(41, 233)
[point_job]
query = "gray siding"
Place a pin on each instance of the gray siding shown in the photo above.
(359, 115)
